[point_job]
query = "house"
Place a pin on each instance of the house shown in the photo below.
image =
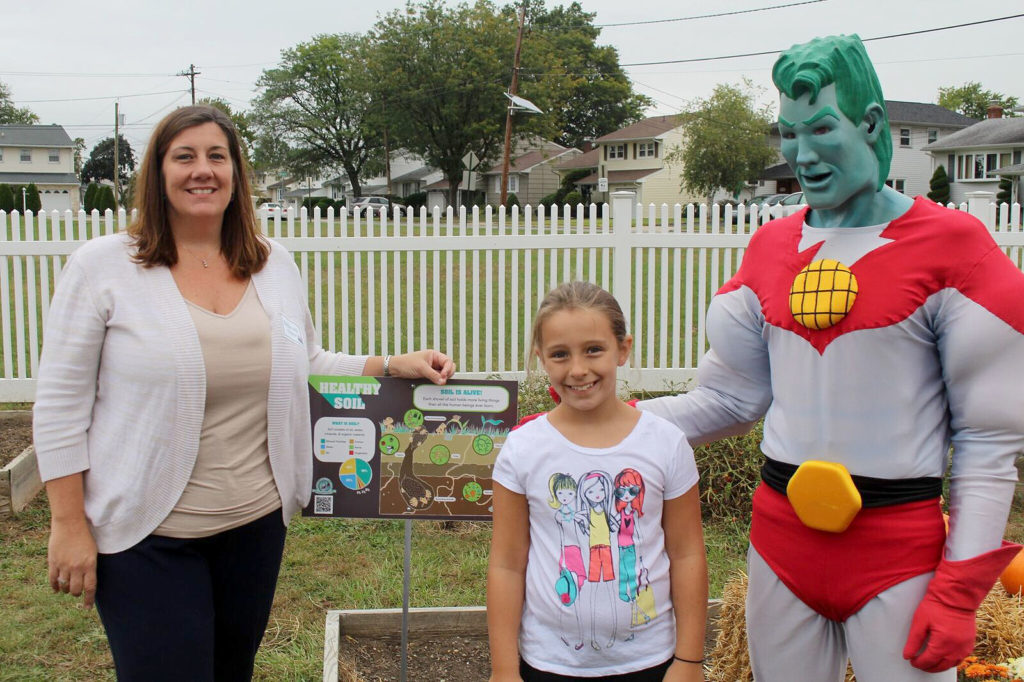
(974, 156)
(913, 126)
(44, 155)
(633, 158)
(532, 174)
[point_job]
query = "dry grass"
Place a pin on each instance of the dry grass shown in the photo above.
(1000, 623)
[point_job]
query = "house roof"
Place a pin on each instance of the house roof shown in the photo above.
(39, 178)
(620, 176)
(992, 132)
(643, 130)
(777, 172)
(34, 136)
(586, 160)
(524, 162)
(926, 113)
(1015, 169)
(417, 174)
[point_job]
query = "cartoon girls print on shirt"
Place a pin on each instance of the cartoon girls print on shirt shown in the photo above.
(571, 572)
(629, 504)
(599, 521)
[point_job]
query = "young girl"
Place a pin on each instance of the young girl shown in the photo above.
(579, 336)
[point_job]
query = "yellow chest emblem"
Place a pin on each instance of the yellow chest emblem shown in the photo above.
(822, 294)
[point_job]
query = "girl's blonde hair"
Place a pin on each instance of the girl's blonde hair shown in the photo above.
(559, 481)
(576, 296)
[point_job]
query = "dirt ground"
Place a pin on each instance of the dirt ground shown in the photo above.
(455, 659)
(15, 435)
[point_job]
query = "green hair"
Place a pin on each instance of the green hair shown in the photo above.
(843, 61)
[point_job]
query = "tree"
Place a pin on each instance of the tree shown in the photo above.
(939, 186)
(9, 113)
(242, 121)
(971, 100)
(441, 73)
(598, 97)
(6, 198)
(726, 141)
(79, 152)
(100, 164)
(315, 111)
(33, 202)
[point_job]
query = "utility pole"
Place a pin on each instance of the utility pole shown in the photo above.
(508, 116)
(117, 169)
(191, 75)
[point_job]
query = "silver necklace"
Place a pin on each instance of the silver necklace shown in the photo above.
(201, 259)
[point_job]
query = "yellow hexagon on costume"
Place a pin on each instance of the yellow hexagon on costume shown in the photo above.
(824, 496)
(822, 294)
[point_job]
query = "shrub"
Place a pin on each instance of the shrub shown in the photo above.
(533, 394)
(549, 200)
(89, 201)
(324, 203)
(730, 470)
(16, 197)
(6, 198)
(1005, 190)
(572, 199)
(33, 202)
(105, 199)
(416, 200)
(512, 200)
(939, 185)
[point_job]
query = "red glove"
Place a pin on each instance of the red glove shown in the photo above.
(942, 631)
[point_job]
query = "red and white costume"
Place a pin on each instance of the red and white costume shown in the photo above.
(930, 356)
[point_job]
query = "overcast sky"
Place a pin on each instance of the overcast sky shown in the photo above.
(70, 61)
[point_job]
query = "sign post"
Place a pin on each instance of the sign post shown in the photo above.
(385, 447)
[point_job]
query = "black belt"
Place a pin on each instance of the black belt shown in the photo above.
(874, 492)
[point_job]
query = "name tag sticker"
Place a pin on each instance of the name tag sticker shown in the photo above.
(292, 331)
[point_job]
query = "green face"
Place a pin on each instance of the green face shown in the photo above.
(830, 154)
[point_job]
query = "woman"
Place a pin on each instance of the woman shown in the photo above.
(172, 418)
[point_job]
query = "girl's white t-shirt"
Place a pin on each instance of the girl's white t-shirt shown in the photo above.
(583, 615)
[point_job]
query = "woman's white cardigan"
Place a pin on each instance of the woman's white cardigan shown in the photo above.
(122, 387)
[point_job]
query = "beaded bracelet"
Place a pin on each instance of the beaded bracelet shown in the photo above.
(686, 660)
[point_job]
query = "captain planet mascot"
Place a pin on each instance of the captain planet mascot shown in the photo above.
(879, 337)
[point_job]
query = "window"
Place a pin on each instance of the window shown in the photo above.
(513, 183)
(898, 185)
(979, 166)
(616, 151)
(904, 137)
(646, 150)
(933, 135)
(54, 156)
(26, 155)
(1, 155)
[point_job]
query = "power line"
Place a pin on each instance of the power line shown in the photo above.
(863, 40)
(709, 16)
(89, 99)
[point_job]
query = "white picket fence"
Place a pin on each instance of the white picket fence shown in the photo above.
(466, 282)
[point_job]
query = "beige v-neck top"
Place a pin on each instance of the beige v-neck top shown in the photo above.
(231, 483)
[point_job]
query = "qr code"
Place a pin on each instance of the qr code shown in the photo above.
(323, 504)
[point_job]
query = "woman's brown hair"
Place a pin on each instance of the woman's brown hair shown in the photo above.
(245, 250)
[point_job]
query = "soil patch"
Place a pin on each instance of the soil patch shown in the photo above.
(444, 659)
(15, 435)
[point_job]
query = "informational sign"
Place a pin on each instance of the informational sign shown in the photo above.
(384, 447)
(602, 184)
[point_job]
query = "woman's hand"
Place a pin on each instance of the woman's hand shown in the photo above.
(72, 559)
(428, 364)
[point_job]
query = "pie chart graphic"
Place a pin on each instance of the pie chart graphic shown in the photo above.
(355, 474)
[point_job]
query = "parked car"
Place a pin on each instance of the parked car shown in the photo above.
(370, 203)
(793, 203)
(272, 208)
(762, 202)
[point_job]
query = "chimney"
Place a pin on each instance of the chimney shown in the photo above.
(995, 109)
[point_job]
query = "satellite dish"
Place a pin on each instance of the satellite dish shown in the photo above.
(521, 104)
